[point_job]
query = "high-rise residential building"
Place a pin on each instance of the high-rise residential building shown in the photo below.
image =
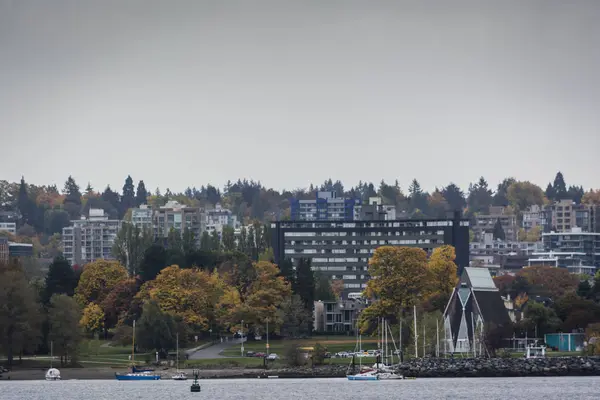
(90, 238)
(485, 223)
(325, 207)
(178, 217)
(341, 249)
(219, 217)
(142, 217)
(576, 250)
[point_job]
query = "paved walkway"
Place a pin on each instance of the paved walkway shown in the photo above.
(213, 351)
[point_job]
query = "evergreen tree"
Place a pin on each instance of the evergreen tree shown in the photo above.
(61, 279)
(228, 239)
(155, 259)
(454, 196)
(111, 198)
(215, 241)
(417, 198)
(480, 197)
(286, 270)
(205, 242)
(559, 186)
(304, 284)
(575, 193)
(242, 242)
(89, 190)
(128, 198)
(499, 231)
(72, 202)
(27, 206)
(251, 244)
(141, 194)
(500, 198)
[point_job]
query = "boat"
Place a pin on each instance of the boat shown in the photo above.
(179, 375)
(137, 374)
(368, 374)
(364, 373)
(52, 374)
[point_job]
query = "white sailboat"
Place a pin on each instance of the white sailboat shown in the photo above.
(386, 371)
(52, 374)
(366, 373)
(179, 375)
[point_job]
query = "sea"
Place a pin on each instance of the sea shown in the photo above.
(571, 388)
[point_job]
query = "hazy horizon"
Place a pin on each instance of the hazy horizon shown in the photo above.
(186, 93)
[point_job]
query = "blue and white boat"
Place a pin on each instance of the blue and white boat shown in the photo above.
(370, 375)
(137, 376)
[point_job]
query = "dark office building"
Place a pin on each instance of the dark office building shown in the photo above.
(341, 249)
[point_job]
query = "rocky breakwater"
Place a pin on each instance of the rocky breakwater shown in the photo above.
(500, 367)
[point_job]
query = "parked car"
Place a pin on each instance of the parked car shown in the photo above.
(272, 357)
(250, 354)
(261, 355)
(328, 355)
(342, 354)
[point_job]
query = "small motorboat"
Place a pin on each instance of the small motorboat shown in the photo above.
(179, 376)
(53, 374)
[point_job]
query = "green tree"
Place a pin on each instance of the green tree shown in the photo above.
(522, 195)
(55, 220)
(27, 206)
(550, 193)
(141, 194)
(215, 241)
(128, 199)
(323, 287)
(559, 187)
(19, 313)
(112, 199)
(304, 284)
(155, 259)
(501, 195)
(499, 231)
(228, 237)
(417, 198)
(156, 329)
(296, 319)
(60, 279)
(539, 319)
(63, 322)
(205, 242)
(454, 196)
(130, 245)
(72, 202)
(480, 197)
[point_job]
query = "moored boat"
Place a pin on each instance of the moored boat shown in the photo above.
(137, 376)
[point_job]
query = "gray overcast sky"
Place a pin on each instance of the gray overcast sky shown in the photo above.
(183, 93)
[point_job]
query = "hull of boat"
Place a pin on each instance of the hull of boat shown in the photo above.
(137, 377)
(363, 378)
(53, 379)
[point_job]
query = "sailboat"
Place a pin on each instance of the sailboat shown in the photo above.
(179, 375)
(133, 375)
(384, 371)
(364, 374)
(52, 374)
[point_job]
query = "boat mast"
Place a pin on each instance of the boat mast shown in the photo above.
(133, 344)
(51, 352)
(400, 342)
(177, 352)
(416, 334)
(437, 335)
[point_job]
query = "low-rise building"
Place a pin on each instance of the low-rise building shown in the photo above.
(10, 227)
(484, 223)
(564, 215)
(325, 207)
(90, 238)
(374, 210)
(576, 250)
(336, 316)
(533, 217)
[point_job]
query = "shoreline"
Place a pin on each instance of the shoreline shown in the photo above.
(421, 368)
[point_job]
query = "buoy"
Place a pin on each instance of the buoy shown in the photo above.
(195, 386)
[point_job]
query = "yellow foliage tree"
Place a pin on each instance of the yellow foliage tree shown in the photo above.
(442, 276)
(399, 280)
(258, 302)
(92, 319)
(97, 280)
(592, 197)
(188, 293)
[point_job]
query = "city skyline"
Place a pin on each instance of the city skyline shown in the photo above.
(295, 93)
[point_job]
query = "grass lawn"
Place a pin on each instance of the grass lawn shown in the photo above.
(94, 352)
(334, 344)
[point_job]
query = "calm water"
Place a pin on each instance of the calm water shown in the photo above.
(465, 388)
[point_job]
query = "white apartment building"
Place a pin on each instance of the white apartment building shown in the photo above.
(142, 217)
(219, 217)
(533, 217)
(10, 227)
(90, 238)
